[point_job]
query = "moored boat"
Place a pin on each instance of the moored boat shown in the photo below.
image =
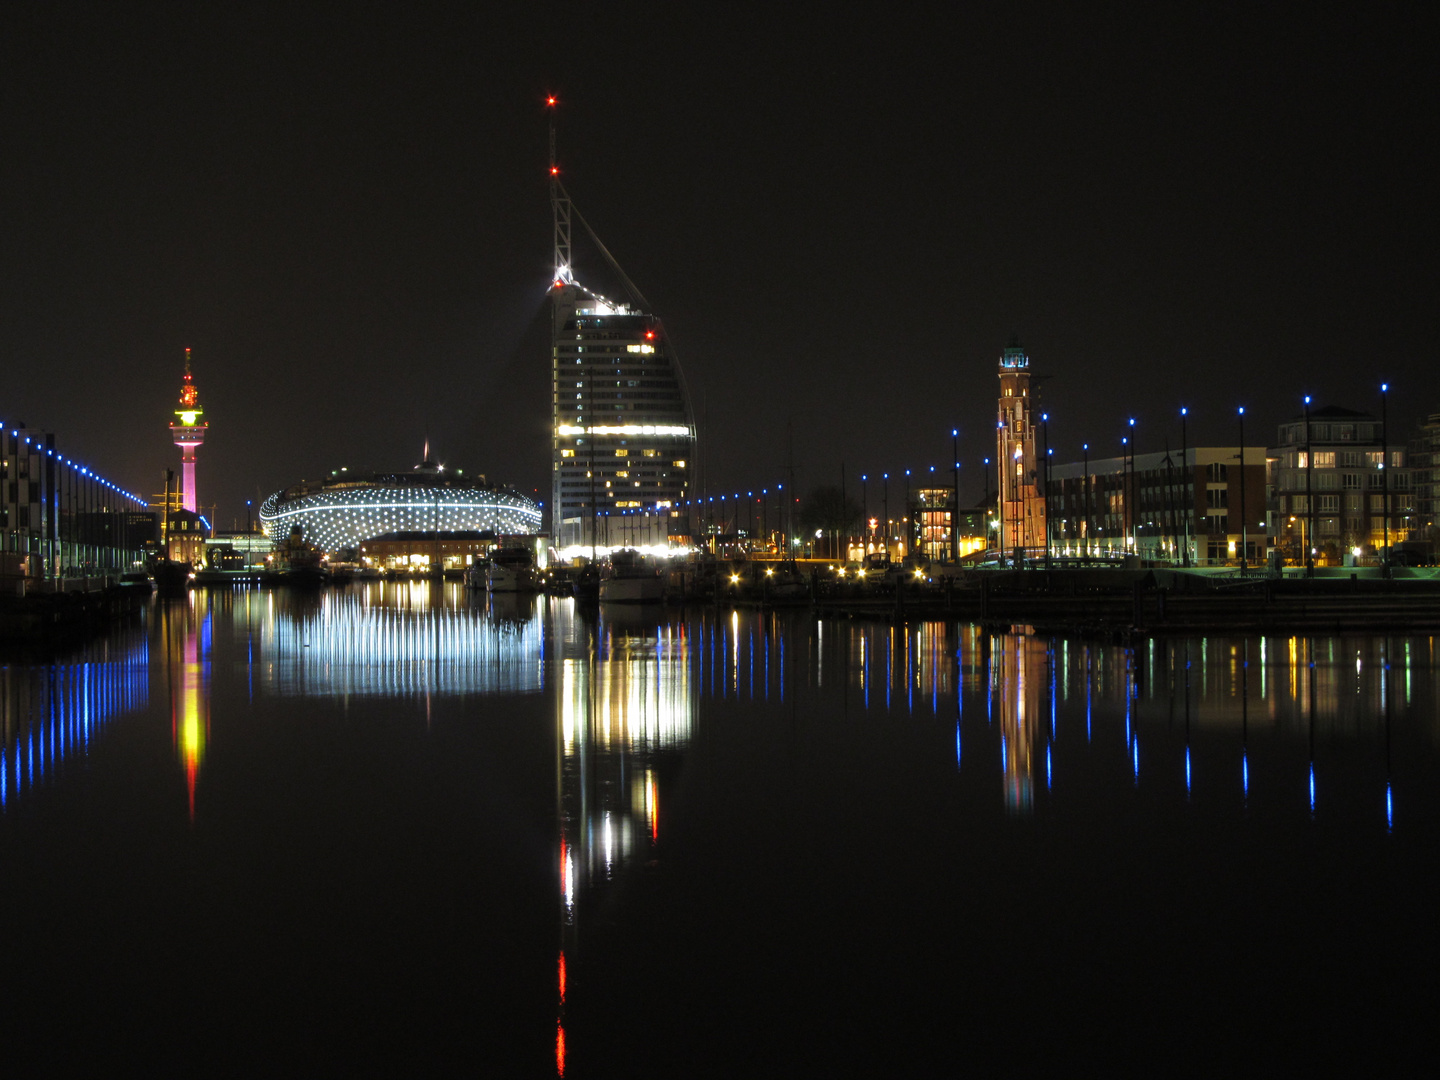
(585, 585)
(512, 569)
(631, 578)
(138, 582)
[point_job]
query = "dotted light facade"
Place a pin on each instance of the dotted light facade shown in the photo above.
(334, 518)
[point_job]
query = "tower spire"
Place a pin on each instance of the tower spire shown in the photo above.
(188, 431)
(559, 207)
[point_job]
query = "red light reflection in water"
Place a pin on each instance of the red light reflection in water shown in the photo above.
(653, 808)
(562, 976)
(560, 1050)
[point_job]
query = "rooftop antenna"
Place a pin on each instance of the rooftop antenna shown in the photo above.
(559, 208)
(562, 212)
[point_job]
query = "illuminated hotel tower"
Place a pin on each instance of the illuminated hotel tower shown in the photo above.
(188, 430)
(622, 433)
(1022, 506)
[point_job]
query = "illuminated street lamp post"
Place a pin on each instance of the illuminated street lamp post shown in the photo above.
(1085, 451)
(864, 508)
(885, 477)
(784, 516)
(905, 516)
(1309, 496)
(1134, 527)
(955, 512)
(1049, 459)
(1189, 487)
(985, 517)
(1124, 492)
(1045, 479)
(1244, 509)
(1001, 464)
(1385, 473)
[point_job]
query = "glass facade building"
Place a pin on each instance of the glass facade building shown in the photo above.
(623, 435)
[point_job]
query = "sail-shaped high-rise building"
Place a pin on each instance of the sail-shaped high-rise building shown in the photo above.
(623, 432)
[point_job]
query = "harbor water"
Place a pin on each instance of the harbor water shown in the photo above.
(411, 828)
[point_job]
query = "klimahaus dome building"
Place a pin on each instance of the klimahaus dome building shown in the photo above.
(344, 510)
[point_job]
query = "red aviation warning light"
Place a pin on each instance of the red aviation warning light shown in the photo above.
(550, 100)
(554, 170)
(649, 335)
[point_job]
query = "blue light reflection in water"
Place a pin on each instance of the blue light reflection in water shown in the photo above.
(49, 712)
(648, 751)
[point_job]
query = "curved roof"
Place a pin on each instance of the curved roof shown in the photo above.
(338, 517)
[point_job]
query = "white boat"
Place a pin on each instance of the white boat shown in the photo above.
(512, 570)
(631, 578)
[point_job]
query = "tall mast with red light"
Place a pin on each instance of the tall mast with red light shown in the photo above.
(559, 208)
(188, 431)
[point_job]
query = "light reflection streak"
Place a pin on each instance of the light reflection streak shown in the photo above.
(48, 713)
(390, 640)
(625, 703)
(186, 629)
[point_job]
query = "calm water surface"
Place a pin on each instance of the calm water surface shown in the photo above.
(407, 829)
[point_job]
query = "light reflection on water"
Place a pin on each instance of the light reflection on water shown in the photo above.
(49, 714)
(629, 682)
(1037, 729)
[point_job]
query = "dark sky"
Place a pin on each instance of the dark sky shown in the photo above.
(842, 214)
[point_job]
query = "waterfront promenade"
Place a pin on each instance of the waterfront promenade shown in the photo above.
(1157, 600)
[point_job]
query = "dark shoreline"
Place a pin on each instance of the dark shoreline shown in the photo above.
(1154, 602)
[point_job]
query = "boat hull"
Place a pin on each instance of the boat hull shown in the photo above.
(632, 590)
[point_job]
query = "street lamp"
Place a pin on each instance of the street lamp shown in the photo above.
(1124, 491)
(1189, 487)
(1085, 449)
(905, 515)
(1309, 495)
(1003, 465)
(865, 508)
(955, 511)
(1384, 472)
(1134, 527)
(885, 477)
(1045, 479)
(986, 520)
(1244, 508)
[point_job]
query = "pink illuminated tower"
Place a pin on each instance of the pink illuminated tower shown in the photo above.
(188, 431)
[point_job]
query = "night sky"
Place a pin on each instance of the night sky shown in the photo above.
(841, 213)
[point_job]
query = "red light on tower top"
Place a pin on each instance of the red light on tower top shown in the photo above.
(550, 100)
